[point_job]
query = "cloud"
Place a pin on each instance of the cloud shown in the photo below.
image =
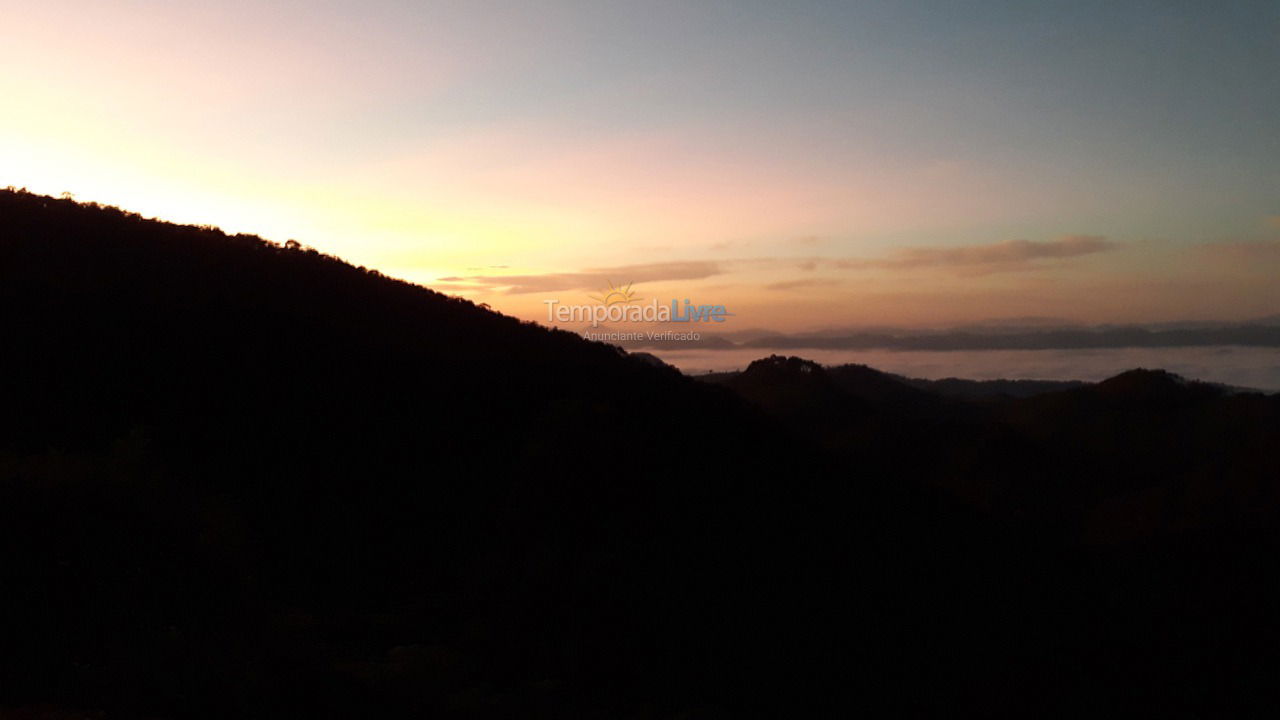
(803, 283)
(982, 259)
(1265, 253)
(1273, 221)
(970, 259)
(453, 287)
(802, 241)
(589, 279)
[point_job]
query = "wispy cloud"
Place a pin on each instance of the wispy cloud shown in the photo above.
(982, 259)
(1254, 254)
(969, 259)
(589, 279)
(803, 283)
(728, 245)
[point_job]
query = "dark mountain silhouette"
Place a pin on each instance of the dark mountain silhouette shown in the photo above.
(991, 389)
(794, 388)
(1089, 444)
(650, 359)
(242, 479)
(872, 384)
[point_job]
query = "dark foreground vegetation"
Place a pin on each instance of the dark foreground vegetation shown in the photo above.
(245, 480)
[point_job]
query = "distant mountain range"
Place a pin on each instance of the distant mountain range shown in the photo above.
(240, 479)
(1055, 454)
(1262, 332)
(949, 387)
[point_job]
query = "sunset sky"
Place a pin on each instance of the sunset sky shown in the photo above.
(808, 164)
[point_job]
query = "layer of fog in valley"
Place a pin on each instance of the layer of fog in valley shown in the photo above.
(1251, 367)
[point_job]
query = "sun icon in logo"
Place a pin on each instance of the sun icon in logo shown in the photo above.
(616, 295)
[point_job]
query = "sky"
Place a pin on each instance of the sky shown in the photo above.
(808, 165)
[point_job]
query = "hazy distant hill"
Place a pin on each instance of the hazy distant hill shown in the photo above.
(245, 480)
(992, 389)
